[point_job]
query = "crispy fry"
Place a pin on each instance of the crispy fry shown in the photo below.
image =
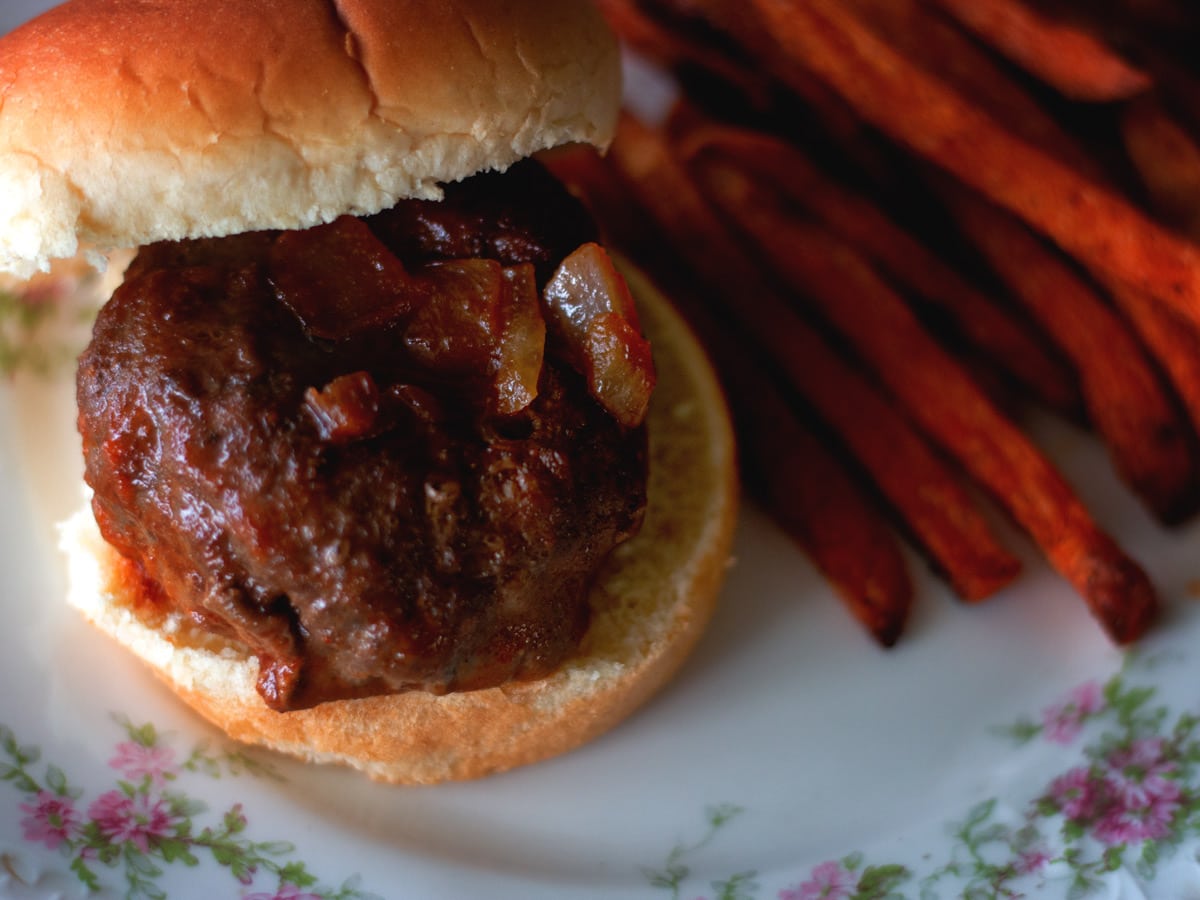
(832, 116)
(1073, 61)
(931, 42)
(831, 109)
(1178, 84)
(812, 497)
(934, 506)
(948, 405)
(1160, 37)
(1006, 343)
(1101, 229)
(1173, 341)
(1168, 160)
(1150, 443)
(671, 48)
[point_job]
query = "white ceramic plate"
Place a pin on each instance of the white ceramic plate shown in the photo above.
(1000, 750)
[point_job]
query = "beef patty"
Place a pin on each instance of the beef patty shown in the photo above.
(343, 448)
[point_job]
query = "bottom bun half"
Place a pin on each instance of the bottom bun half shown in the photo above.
(650, 606)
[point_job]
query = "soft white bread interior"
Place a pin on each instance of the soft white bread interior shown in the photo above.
(649, 608)
(124, 122)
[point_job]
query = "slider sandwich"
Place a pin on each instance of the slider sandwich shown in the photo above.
(386, 464)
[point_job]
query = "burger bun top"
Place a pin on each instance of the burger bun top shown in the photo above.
(124, 122)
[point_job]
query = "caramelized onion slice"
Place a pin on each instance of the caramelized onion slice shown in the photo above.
(522, 346)
(589, 307)
(619, 368)
(340, 280)
(455, 332)
(483, 325)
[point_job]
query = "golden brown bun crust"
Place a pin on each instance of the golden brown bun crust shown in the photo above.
(650, 607)
(123, 122)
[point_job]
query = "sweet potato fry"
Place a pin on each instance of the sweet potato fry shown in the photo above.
(831, 116)
(1008, 344)
(1074, 62)
(1151, 444)
(1178, 84)
(1167, 159)
(940, 515)
(673, 49)
(949, 407)
(812, 497)
(828, 106)
(1101, 229)
(1159, 36)
(1173, 342)
(936, 45)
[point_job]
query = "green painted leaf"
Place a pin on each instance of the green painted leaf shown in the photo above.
(672, 876)
(188, 807)
(107, 853)
(295, 873)
(141, 863)
(241, 869)
(201, 762)
(23, 783)
(1020, 732)
(226, 854)
(174, 850)
(146, 735)
(719, 815)
(878, 881)
(56, 780)
(1073, 831)
(84, 874)
(979, 814)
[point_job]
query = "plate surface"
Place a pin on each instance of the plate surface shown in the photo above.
(1000, 750)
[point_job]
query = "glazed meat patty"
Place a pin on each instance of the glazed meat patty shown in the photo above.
(375, 488)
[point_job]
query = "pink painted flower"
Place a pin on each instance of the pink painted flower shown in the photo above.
(1128, 798)
(135, 761)
(1149, 820)
(1077, 794)
(1139, 773)
(1062, 722)
(829, 881)
(136, 820)
(49, 820)
(1032, 861)
(285, 892)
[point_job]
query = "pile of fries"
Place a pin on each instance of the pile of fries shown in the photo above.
(898, 222)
